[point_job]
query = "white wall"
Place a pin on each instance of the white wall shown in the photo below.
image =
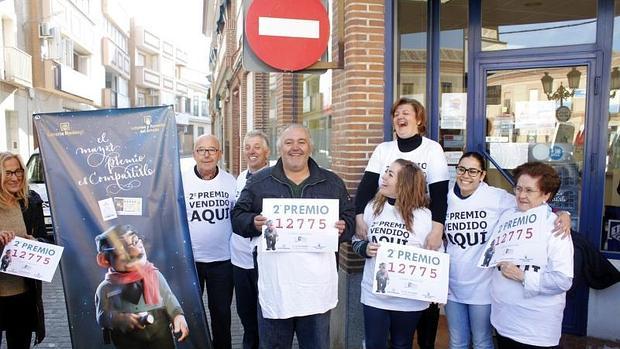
(604, 310)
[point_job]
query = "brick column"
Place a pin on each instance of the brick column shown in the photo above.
(261, 101)
(357, 95)
(289, 99)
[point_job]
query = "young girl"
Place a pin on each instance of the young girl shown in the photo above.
(400, 204)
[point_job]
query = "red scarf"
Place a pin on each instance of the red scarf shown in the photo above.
(147, 273)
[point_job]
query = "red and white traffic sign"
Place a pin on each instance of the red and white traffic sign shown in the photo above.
(287, 34)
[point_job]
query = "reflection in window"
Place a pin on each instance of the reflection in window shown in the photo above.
(524, 24)
(411, 41)
(610, 236)
(453, 82)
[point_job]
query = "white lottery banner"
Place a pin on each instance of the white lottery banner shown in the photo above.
(300, 225)
(411, 272)
(30, 258)
(519, 238)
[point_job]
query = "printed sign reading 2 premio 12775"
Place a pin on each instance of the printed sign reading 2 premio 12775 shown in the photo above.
(300, 225)
(411, 272)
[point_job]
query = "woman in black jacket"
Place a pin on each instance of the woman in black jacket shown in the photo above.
(21, 214)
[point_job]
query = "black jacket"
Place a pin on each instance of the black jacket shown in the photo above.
(272, 183)
(35, 226)
(591, 266)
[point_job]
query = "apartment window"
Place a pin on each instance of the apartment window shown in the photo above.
(141, 100)
(195, 110)
(203, 108)
(140, 59)
(188, 105)
(201, 131)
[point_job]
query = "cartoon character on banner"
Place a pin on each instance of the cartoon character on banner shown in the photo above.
(135, 306)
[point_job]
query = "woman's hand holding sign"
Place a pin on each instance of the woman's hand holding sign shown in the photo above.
(341, 226)
(259, 221)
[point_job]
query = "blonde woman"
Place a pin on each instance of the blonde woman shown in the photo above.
(21, 214)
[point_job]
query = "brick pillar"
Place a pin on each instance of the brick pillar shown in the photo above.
(357, 95)
(289, 101)
(235, 140)
(261, 101)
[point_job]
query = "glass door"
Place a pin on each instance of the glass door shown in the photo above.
(538, 114)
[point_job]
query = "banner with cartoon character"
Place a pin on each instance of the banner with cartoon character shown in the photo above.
(116, 196)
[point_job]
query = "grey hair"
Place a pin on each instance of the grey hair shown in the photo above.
(256, 133)
(294, 126)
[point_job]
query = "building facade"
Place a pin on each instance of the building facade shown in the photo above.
(518, 81)
(67, 55)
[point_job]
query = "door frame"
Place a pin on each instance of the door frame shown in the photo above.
(593, 171)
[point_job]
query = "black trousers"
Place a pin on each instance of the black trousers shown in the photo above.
(17, 319)
(217, 277)
(427, 327)
(246, 294)
(507, 343)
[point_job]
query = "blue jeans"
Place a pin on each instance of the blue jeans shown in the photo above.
(218, 278)
(246, 294)
(400, 325)
(312, 331)
(469, 323)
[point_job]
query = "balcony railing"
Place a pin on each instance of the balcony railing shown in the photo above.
(148, 78)
(17, 67)
(182, 88)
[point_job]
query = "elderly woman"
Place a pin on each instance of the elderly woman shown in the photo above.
(21, 214)
(527, 300)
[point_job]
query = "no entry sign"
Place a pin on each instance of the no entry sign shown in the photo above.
(287, 34)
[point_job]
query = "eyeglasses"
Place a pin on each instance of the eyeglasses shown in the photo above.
(210, 151)
(460, 170)
(527, 191)
(17, 173)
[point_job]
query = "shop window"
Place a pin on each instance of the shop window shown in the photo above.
(411, 43)
(610, 235)
(522, 24)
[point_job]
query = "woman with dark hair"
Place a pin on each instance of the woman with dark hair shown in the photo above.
(401, 205)
(409, 122)
(527, 300)
(474, 209)
(21, 214)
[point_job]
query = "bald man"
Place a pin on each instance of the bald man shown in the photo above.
(209, 198)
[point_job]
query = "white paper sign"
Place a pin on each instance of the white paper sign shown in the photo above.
(30, 258)
(300, 225)
(411, 272)
(519, 239)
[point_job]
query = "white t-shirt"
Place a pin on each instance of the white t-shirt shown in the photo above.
(209, 204)
(293, 284)
(532, 314)
(397, 234)
(469, 225)
(241, 248)
(428, 156)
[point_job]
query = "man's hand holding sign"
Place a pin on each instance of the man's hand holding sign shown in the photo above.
(300, 225)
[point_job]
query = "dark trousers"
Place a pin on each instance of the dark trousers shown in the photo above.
(507, 343)
(218, 279)
(17, 319)
(399, 325)
(246, 294)
(427, 327)
(312, 331)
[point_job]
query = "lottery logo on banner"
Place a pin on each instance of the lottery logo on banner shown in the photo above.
(300, 225)
(117, 171)
(411, 272)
